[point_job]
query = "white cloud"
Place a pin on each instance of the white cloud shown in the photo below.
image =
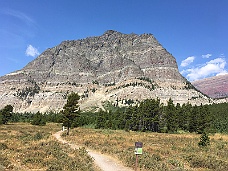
(20, 15)
(211, 68)
(31, 51)
(187, 61)
(207, 55)
(222, 73)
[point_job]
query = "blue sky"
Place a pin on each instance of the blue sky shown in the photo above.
(193, 31)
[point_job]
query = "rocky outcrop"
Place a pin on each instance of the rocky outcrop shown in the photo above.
(214, 87)
(114, 67)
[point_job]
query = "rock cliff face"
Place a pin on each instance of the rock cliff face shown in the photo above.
(114, 66)
(214, 87)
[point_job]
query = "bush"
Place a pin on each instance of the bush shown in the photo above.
(3, 146)
(6, 114)
(208, 162)
(204, 140)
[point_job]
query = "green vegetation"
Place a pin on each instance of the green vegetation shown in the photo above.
(148, 115)
(38, 119)
(146, 79)
(95, 82)
(6, 114)
(109, 84)
(204, 140)
(151, 86)
(29, 117)
(145, 82)
(189, 86)
(220, 117)
(117, 129)
(28, 91)
(151, 115)
(71, 111)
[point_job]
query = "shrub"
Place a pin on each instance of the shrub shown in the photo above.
(204, 140)
(3, 146)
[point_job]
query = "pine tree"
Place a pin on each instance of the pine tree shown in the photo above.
(180, 116)
(100, 120)
(133, 118)
(204, 119)
(194, 119)
(187, 109)
(171, 117)
(38, 119)
(6, 114)
(71, 110)
(128, 118)
(150, 110)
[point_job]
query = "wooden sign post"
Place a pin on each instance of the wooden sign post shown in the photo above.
(138, 151)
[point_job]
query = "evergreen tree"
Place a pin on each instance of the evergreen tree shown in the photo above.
(38, 119)
(118, 119)
(71, 110)
(171, 117)
(180, 116)
(150, 113)
(187, 109)
(6, 114)
(128, 118)
(193, 123)
(135, 120)
(101, 119)
(183, 116)
(52, 116)
(219, 117)
(204, 120)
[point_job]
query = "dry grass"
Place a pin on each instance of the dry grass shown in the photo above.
(160, 151)
(26, 147)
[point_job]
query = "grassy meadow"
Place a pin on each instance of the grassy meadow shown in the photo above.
(25, 147)
(160, 151)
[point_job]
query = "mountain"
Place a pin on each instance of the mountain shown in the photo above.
(214, 87)
(116, 67)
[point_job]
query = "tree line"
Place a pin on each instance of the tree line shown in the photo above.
(152, 115)
(148, 115)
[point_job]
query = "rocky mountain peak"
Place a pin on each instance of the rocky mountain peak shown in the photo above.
(111, 57)
(113, 65)
(111, 32)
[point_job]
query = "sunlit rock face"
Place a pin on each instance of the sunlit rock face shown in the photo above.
(111, 67)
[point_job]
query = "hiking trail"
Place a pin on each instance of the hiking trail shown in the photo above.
(104, 162)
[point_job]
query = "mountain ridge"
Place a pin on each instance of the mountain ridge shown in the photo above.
(93, 63)
(114, 67)
(215, 87)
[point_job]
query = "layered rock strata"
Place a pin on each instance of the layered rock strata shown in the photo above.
(112, 67)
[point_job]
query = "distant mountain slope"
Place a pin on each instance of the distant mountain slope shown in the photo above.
(214, 87)
(114, 67)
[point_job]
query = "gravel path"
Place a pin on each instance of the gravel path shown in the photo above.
(104, 162)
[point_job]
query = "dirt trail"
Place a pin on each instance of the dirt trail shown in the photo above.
(104, 162)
